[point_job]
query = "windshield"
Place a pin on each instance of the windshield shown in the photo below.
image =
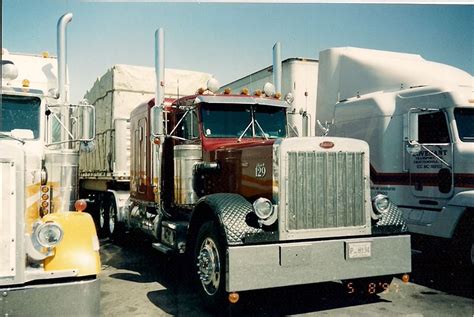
(234, 121)
(20, 112)
(465, 123)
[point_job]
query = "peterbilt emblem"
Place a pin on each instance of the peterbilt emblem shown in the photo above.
(260, 170)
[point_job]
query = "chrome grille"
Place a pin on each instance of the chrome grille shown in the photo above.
(325, 190)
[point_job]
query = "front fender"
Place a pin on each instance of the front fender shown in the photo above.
(463, 199)
(79, 248)
(231, 211)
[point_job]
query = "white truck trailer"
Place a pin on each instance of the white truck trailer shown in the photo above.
(49, 256)
(417, 117)
(105, 166)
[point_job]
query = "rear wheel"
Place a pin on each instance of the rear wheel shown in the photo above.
(210, 263)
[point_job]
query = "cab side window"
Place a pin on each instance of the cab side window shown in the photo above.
(433, 128)
(189, 128)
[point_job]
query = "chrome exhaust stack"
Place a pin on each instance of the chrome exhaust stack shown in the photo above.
(277, 67)
(157, 117)
(62, 62)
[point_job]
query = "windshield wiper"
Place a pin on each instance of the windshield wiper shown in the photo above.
(245, 131)
(263, 132)
(11, 137)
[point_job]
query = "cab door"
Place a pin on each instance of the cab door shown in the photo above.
(431, 166)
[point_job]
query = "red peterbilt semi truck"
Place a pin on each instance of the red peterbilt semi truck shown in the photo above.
(216, 177)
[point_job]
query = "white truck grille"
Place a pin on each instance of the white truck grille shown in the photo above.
(7, 218)
(325, 190)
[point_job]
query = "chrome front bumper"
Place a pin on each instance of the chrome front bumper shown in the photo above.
(53, 299)
(296, 263)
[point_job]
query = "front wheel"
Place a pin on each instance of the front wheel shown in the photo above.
(210, 263)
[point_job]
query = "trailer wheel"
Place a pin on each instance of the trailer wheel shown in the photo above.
(112, 213)
(103, 216)
(116, 228)
(209, 258)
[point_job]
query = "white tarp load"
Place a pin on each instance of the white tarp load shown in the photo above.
(115, 95)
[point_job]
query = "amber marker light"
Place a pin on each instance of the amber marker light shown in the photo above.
(278, 95)
(45, 54)
(157, 141)
(258, 93)
(233, 298)
(25, 83)
(45, 189)
(80, 205)
(244, 91)
(44, 197)
(227, 91)
(201, 91)
(405, 278)
(44, 204)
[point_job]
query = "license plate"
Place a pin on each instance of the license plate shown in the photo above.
(357, 250)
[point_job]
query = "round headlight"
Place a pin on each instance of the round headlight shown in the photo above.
(49, 234)
(263, 208)
(381, 204)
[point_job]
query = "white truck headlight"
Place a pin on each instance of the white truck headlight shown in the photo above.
(265, 211)
(48, 234)
(381, 205)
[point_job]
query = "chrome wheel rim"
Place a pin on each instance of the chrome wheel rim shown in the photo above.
(209, 268)
(101, 216)
(111, 219)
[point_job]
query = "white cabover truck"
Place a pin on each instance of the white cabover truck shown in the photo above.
(418, 118)
(49, 256)
(105, 165)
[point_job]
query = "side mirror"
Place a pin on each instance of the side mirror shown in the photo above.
(413, 127)
(86, 119)
(410, 132)
(155, 114)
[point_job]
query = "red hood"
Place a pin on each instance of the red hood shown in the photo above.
(212, 144)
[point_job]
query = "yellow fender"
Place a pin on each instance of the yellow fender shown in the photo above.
(79, 248)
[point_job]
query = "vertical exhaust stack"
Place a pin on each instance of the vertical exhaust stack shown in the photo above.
(61, 29)
(160, 81)
(277, 67)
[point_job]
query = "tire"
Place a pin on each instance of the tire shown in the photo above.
(116, 228)
(209, 259)
(462, 246)
(103, 216)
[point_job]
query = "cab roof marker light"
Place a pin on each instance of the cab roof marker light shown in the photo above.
(244, 91)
